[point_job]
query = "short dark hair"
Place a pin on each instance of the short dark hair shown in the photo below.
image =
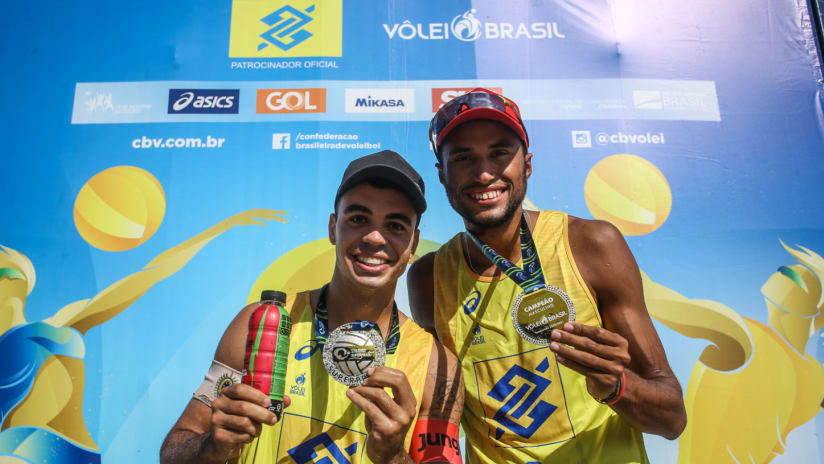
(379, 183)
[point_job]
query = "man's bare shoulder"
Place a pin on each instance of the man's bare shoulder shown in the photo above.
(422, 267)
(232, 346)
(602, 255)
(593, 235)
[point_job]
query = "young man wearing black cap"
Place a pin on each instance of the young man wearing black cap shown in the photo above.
(374, 229)
(545, 311)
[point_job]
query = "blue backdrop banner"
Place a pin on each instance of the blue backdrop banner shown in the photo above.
(145, 146)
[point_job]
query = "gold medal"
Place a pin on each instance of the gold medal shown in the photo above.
(536, 314)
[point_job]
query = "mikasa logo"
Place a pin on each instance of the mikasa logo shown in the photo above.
(380, 100)
(467, 28)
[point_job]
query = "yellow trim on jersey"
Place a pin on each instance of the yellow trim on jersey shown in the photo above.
(521, 405)
(322, 421)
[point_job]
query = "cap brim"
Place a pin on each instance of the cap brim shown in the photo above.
(484, 113)
(391, 175)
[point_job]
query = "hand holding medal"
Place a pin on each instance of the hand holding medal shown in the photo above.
(600, 355)
(388, 418)
(354, 354)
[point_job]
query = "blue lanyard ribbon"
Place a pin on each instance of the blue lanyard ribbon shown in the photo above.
(531, 277)
(322, 324)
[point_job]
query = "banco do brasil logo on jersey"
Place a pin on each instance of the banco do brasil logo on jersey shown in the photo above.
(520, 392)
(286, 28)
(322, 449)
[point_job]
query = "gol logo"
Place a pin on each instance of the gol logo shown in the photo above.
(291, 101)
(441, 96)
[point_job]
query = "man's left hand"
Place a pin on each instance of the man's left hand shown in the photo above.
(598, 354)
(387, 418)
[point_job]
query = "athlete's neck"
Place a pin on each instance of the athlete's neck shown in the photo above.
(347, 303)
(504, 238)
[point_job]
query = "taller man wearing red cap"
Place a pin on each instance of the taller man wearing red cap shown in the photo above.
(545, 311)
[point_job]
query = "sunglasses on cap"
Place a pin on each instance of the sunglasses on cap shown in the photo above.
(501, 109)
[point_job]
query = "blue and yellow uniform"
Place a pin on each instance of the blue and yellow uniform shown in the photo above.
(521, 405)
(322, 422)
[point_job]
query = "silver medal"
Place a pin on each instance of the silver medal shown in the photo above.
(351, 350)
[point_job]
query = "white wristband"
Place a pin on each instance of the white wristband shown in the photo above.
(219, 377)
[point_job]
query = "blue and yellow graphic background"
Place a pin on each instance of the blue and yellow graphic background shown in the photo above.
(740, 108)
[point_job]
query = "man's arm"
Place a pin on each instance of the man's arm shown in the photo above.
(421, 287)
(388, 418)
(217, 434)
(441, 408)
(652, 399)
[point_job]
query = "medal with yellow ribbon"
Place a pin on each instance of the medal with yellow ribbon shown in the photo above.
(539, 308)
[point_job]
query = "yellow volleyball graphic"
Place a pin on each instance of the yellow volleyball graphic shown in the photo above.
(119, 208)
(630, 192)
(309, 266)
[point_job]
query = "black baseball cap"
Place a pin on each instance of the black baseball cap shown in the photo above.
(390, 167)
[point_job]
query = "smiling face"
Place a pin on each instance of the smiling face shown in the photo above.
(484, 172)
(374, 235)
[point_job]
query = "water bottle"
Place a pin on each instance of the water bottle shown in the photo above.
(267, 348)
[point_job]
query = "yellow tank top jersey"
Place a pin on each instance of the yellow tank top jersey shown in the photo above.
(322, 425)
(521, 406)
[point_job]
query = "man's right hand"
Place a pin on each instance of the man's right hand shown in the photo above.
(237, 416)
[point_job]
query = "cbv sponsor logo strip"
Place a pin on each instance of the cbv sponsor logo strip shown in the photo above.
(539, 99)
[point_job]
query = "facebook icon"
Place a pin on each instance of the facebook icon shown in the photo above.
(281, 141)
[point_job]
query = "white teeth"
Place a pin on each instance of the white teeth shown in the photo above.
(370, 260)
(486, 195)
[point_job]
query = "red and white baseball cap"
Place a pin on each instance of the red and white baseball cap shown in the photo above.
(479, 103)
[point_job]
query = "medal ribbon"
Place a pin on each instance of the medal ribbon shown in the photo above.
(322, 324)
(531, 277)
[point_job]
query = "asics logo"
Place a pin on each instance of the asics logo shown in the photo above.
(471, 303)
